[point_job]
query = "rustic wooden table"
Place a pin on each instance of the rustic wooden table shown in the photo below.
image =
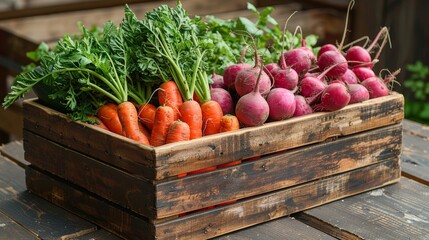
(398, 211)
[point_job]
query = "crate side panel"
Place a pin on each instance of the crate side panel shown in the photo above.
(217, 221)
(95, 176)
(87, 139)
(277, 171)
(278, 136)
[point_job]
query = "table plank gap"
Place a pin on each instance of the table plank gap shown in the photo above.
(14, 151)
(9, 229)
(415, 158)
(393, 212)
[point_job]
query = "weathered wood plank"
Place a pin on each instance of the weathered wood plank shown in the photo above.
(398, 211)
(414, 128)
(173, 159)
(15, 152)
(415, 158)
(41, 217)
(51, 27)
(100, 234)
(10, 229)
(12, 179)
(168, 198)
(282, 228)
(220, 220)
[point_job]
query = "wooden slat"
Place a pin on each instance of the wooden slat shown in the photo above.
(100, 234)
(394, 212)
(10, 229)
(52, 27)
(41, 217)
(168, 198)
(220, 220)
(414, 128)
(415, 158)
(12, 179)
(283, 228)
(15, 152)
(173, 159)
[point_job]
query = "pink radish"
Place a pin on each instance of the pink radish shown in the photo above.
(349, 77)
(223, 97)
(284, 76)
(358, 93)
(269, 70)
(377, 87)
(331, 58)
(310, 86)
(301, 106)
(217, 81)
(230, 73)
(246, 79)
(299, 59)
(281, 102)
(325, 48)
(363, 73)
(357, 55)
(334, 97)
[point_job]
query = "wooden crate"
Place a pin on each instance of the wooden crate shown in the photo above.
(304, 162)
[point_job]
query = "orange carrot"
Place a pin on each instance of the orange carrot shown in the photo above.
(144, 130)
(147, 114)
(229, 123)
(177, 132)
(190, 112)
(128, 116)
(108, 114)
(212, 113)
(169, 95)
(100, 124)
(164, 117)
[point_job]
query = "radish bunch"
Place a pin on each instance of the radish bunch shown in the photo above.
(301, 83)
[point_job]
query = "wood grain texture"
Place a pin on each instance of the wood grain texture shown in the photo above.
(12, 179)
(415, 158)
(173, 159)
(282, 228)
(393, 212)
(217, 221)
(39, 216)
(168, 198)
(100, 234)
(10, 229)
(15, 152)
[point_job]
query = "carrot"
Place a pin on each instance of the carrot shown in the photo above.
(169, 95)
(147, 114)
(128, 116)
(164, 117)
(100, 124)
(177, 132)
(190, 112)
(212, 113)
(229, 123)
(143, 129)
(108, 114)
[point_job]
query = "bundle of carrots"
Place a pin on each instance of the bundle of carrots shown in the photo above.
(173, 120)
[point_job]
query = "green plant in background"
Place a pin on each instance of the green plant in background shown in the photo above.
(417, 106)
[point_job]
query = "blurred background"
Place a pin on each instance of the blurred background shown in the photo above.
(26, 23)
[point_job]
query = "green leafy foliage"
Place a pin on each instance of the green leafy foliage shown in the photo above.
(417, 106)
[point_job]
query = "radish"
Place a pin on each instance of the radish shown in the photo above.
(299, 59)
(325, 48)
(252, 109)
(281, 103)
(358, 93)
(349, 77)
(311, 86)
(223, 97)
(217, 81)
(246, 79)
(230, 73)
(363, 73)
(357, 55)
(301, 106)
(377, 87)
(269, 70)
(330, 58)
(334, 97)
